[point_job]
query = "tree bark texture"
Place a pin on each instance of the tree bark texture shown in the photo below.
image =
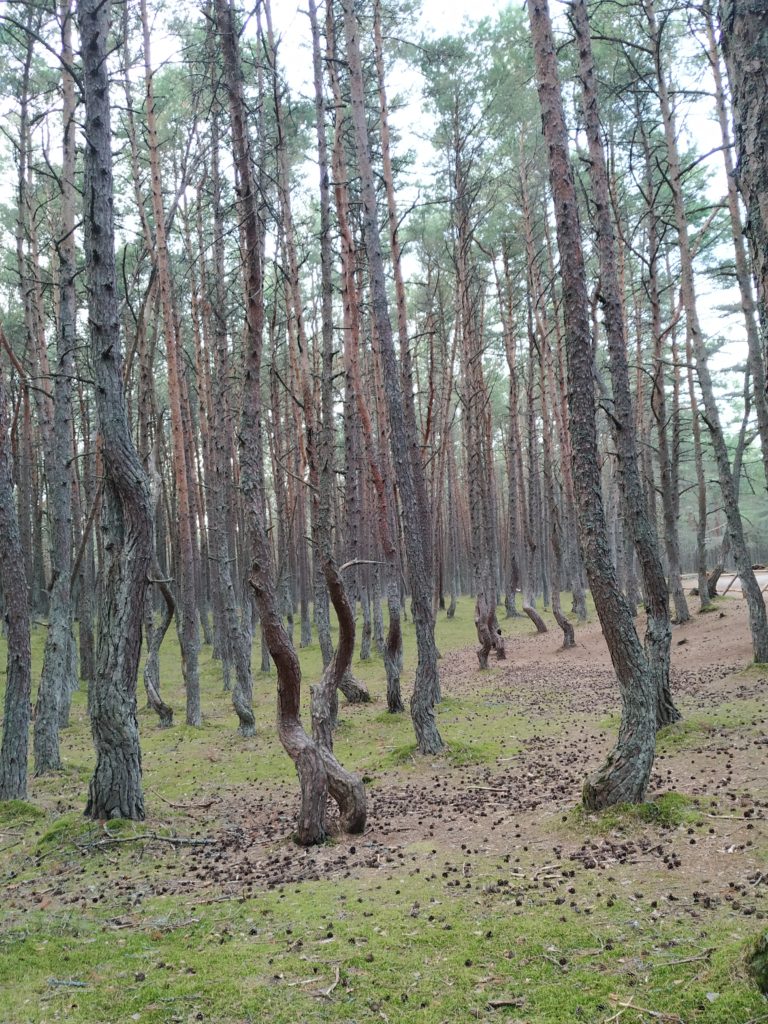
(115, 789)
(408, 469)
(744, 38)
(658, 633)
(13, 584)
(318, 771)
(624, 776)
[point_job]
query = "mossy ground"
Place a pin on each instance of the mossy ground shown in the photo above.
(499, 928)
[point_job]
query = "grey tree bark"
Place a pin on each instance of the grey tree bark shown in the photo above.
(318, 770)
(56, 680)
(408, 469)
(115, 789)
(13, 584)
(624, 776)
(658, 633)
(744, 39)
(758, 620)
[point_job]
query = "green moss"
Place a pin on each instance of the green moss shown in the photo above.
(669, 810)
(757, 961)
(18, 810)
(688, 732)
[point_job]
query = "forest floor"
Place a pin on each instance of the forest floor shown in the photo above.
(479, 891)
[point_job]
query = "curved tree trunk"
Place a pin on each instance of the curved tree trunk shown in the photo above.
(319, 772)
(154, 642)
(758, 620)
(410, 477)
(188, 626)
(744, 39)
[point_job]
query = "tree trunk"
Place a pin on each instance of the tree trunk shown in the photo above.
(744, 38)
(154, 640)
(319, 772)
(743, 278)
(658, 633)
(188, 626)
(56, 681)
(624, 777)
(115, 789)
(758, 621)
(13, 585)
(408, 469)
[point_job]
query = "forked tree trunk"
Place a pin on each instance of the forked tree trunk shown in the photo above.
(13, 585)
(641, 530)
(624, 776)
(115, 789)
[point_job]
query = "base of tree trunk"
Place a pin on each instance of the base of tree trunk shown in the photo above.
(623, 778)
(115, 789)
(536, 619)
(428, 739)
(355, 691)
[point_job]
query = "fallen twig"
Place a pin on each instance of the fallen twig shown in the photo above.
(68, 982)
(706, 955)
(148, 837)
(186, 807)
(667, 1018)
(325, 993)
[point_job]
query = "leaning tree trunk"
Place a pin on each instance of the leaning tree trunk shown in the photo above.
(13, 585)
(115, 789)
(658, 634)
(741, 263)
(408, 468)
(624, 776)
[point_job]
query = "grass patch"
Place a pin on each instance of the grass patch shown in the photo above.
(688, 732)
(13, 811)
(670, 810)
(411, 949)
